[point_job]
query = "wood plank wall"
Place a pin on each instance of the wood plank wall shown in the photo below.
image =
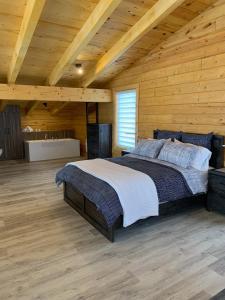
(182, 82)
(72, 116)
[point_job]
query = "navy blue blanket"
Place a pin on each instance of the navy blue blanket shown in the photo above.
(170, 185)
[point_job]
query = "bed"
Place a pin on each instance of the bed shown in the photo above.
(104, 211)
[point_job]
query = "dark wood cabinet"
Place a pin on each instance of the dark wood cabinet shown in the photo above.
(11, 140)
(216, 190)
(99, 140)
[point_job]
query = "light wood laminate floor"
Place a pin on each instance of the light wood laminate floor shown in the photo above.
(47, 251)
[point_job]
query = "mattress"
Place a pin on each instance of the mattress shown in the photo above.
(172, 183)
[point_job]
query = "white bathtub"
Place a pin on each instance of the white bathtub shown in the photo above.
(36, 150)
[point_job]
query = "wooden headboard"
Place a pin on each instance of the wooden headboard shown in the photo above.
(217, 159)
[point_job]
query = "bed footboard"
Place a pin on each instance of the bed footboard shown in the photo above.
(89, 211)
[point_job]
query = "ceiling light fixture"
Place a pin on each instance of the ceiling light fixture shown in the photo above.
(79, 69)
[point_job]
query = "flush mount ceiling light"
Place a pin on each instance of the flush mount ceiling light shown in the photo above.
(79, 69)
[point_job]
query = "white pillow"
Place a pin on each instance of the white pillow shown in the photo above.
(202, 157)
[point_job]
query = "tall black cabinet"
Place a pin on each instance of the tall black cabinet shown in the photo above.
(99, 140)
(11, 141)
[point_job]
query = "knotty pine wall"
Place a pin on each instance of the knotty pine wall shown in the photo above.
(72, 116)
(182, 82)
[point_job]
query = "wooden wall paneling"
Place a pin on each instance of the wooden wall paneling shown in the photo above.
(53, 134)
(41, 119)
(80, 126)
(72, 117)
(58, 108)
(194, 55)
(182, 82)
(92, 113)
(32, 105)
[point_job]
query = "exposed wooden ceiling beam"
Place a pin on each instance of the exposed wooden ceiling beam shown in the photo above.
(95, 21)
(151, 19)
(31, 107)
(14, 92)
(58, 108)
(30, 20)
(2, 105)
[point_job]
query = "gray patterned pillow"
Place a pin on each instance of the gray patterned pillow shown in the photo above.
(178, 154)
(149, 147)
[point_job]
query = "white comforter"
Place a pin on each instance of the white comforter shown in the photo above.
(136, 191)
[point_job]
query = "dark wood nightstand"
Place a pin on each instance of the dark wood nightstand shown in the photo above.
(216, 190)
(124, 152)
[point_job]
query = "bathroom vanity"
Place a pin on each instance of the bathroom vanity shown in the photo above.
(36, 150)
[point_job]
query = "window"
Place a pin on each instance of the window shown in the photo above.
(126, 118)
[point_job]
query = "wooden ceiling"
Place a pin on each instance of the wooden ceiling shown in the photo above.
(59, 23)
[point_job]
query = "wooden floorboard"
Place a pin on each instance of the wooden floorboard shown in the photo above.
(47, 251)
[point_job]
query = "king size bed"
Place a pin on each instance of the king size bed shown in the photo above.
(115, 192)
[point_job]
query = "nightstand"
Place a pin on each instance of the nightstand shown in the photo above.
(124, 152)
(216, 190)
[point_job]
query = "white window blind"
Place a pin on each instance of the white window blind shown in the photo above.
(126, 118)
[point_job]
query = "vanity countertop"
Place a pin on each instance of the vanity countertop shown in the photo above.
(36, 150)
(50, 140)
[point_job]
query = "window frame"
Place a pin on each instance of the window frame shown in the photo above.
(115, 99)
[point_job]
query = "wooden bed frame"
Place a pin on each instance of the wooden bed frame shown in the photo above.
(88, 210)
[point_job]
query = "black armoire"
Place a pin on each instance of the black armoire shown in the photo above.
(99, 140)
(99, 136)
(11, 141)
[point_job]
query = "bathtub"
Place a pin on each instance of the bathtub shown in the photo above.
(36, 150)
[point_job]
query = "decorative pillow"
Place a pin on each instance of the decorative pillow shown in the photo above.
(165, 134)
(202, 157)
(148, 147)
(177, 154)
(204, 140)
